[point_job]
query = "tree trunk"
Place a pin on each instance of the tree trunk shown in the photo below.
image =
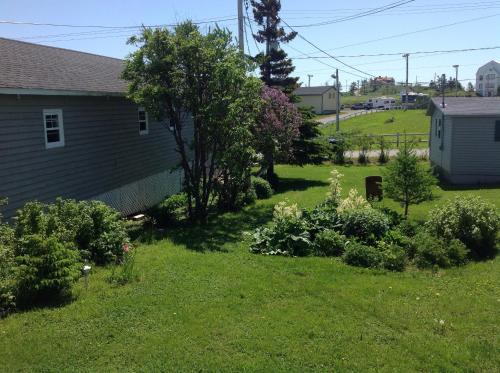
(406, 209)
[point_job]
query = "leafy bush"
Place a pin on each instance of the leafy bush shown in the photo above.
(398, 238)
(408, 227)
(7, 298)
(393, 256)
(246, 198)
(469, 219)
(45, 269)
(171, 210)
(329, 243)
(323, 216)
(359, 255)
(366, 224)
(288, 234)
(262, 187)
(432, 251)
(94, 228)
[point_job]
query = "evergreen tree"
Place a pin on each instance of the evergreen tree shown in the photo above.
(306, 148)
(275, 66)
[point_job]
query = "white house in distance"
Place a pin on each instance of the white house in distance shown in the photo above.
(321, 98)
(488, 79)
(465, 139)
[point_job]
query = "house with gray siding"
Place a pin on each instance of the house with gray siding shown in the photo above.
(322, 99)
(465, 139)
(67, 129)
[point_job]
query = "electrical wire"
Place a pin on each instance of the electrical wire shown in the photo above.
(359, 15)
(323, 51)
(251, 28)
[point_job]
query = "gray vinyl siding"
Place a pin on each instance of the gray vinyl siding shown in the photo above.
(440, 156)
(476, 154)
(103, 149)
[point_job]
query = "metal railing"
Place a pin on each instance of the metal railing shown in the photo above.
(400, 137)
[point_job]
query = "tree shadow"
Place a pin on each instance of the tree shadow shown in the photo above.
(289, 184)
(225, 228)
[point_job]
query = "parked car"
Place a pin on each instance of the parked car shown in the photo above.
(358, 106)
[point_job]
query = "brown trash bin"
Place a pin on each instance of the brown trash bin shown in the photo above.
(374, 188)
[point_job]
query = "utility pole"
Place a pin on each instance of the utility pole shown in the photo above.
(309, 76)
(337, 111)
(456, 80)
(406, 55)
(241, 37)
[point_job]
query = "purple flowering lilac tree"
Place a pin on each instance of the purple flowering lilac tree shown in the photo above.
(276, 129)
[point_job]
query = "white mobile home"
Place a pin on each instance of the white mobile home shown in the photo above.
(465, 139)
(322, 99)
(383, 102)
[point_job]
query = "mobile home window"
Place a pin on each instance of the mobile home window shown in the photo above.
(497, 130)
(54, 128)
(142, 116)
(439, 128)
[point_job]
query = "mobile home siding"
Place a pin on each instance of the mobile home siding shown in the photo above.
(103, 149)
(476, 154)
(314, 101)
(440, 156)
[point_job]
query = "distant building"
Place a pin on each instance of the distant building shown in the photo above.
(465, 139)
(322, 98)
(384, 80)
(488, 79)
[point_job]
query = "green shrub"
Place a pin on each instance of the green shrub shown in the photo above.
(287, 235)
(430, 251)
(409, 228)
(7, 289)
(246, 198)
(172, 210)
(469, 219)
(92, 227)
(45, 269)
(398, 238)
(323, 216)
(393, 256)
(359, 255)
(329, 243)
(366, 224)
(262, 187)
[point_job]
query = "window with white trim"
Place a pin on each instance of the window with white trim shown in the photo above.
(54, 128)
(142, 117)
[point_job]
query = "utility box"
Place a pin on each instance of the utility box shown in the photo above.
(373, 185)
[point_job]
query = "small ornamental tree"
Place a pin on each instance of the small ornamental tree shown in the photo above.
(276, 129)
(306, 148)
(181, 74)
(406, 180)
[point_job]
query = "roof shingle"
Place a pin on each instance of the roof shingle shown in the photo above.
(468, 106)
(34, 66)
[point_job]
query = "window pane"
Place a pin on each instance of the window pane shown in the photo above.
(53, 136)
(142, 126)
(51, 121)
(142, 115)
(497, 130)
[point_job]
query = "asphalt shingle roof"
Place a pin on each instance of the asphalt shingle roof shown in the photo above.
(34, 66)
(468, 106)
(311, 91)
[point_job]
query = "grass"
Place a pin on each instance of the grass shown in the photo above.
(203, 303)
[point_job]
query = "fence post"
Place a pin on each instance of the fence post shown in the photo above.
(397, 140)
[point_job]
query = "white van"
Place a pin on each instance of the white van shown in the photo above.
(383, 102)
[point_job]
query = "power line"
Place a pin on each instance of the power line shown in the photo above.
(413, 32)
(398, 53)
(251, 28)
(359, 15)
(323, 51)
(8, 22)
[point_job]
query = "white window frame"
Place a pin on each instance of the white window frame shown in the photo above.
(146, 131)
(59, 113)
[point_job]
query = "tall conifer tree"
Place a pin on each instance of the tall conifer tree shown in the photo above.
(275, 66)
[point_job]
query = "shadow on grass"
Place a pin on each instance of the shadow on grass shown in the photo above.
(288, 184)
(229, 227)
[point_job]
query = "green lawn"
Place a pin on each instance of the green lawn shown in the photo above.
(410, 121)
(203, 303)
